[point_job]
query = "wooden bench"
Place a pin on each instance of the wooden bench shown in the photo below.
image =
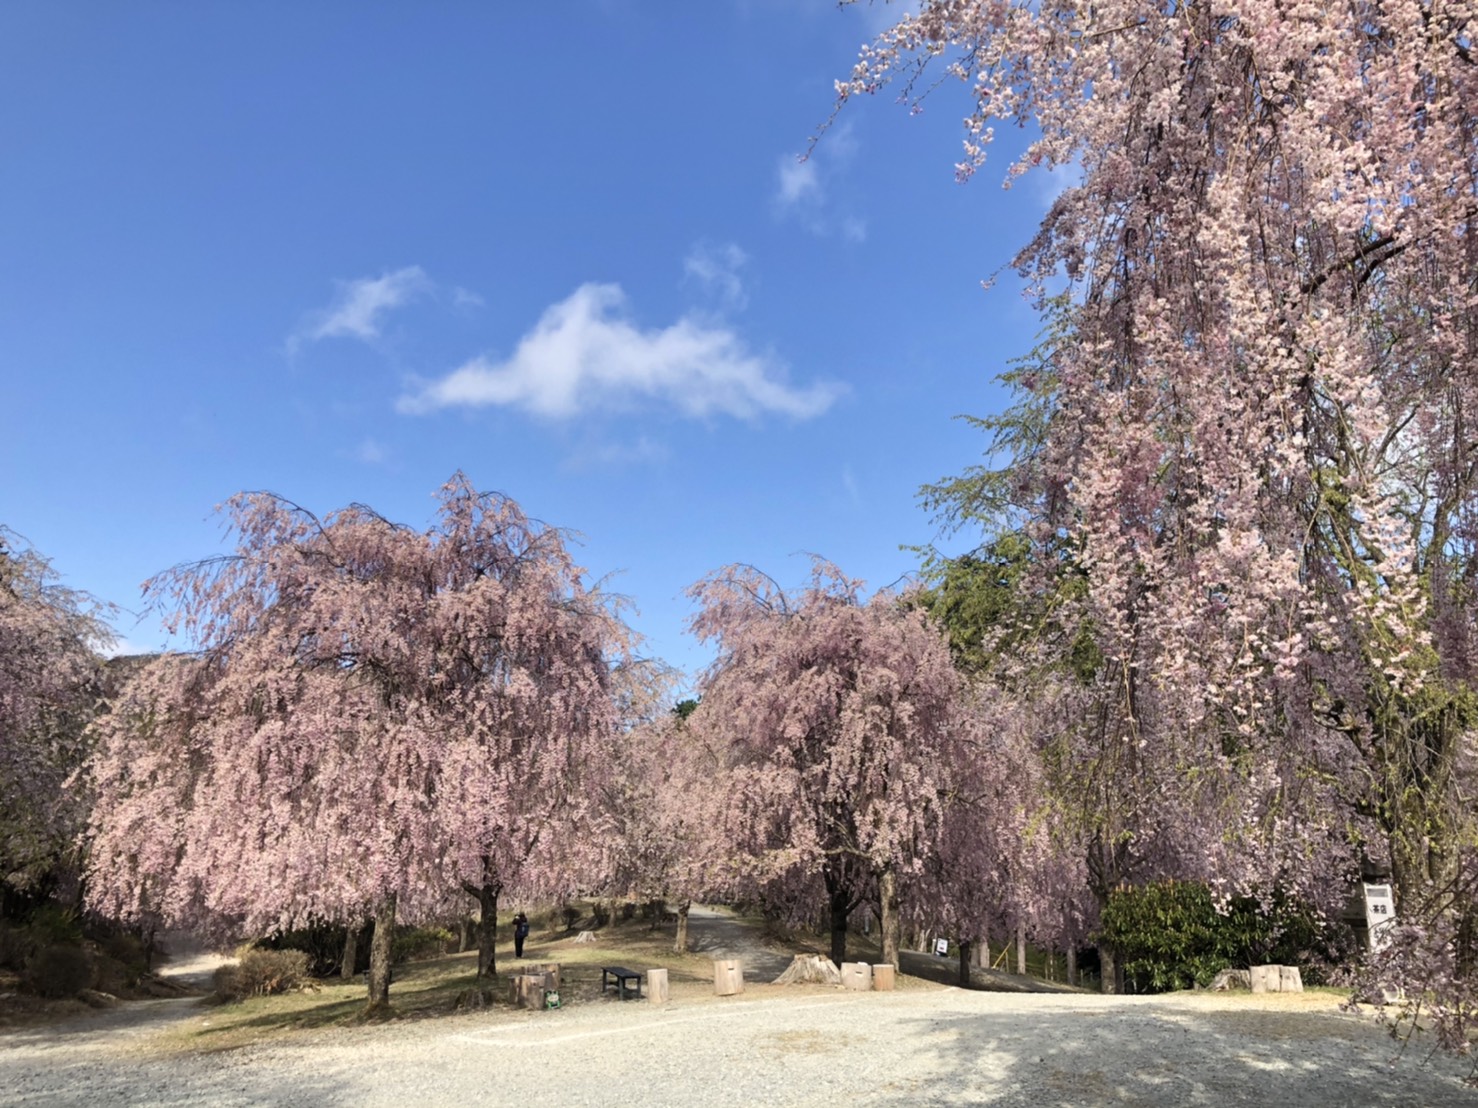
(620, 975)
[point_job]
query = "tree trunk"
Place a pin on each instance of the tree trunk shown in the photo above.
(351, 951)
(965, 948)
(888, 915)
(1021, 949)
(980, 951)
(841, 908)
(379, 971)
(1072, 964)
(680, 946)
(487, 929)
(1108, 969)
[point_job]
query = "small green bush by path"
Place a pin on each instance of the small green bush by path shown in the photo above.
(262, 973)
(59, 971)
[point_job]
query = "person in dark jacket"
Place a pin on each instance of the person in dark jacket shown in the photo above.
(520, 933)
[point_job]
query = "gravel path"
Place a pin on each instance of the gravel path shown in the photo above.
(772, 1045)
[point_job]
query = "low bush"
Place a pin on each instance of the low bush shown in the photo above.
(262, 973)
(58, 971)
(411, 943)
(324, 945)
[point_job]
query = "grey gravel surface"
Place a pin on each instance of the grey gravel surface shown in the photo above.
(918, 1046)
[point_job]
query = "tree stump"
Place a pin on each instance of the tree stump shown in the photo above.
(810, 969)
(550, 970)
(856, 976)
(1266, 979)
(585, 937)
(1290, 980)
(1232, 979)
(728, 976)
(883, 977)
(527, 990)
(657, 986)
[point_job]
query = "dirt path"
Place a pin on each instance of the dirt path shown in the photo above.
(719, 933)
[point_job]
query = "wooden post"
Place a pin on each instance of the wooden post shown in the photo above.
(856, 976)
(882, 977)
(527, 990)
(728, 976)
(657, 986)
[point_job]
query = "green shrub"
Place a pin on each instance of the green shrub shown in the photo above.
(53, 925)
(1170, 935)
(411, 943)
(59, 971)
(262, 973)
(324, 945)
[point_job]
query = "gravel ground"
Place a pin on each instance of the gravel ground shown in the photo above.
(772, 1045)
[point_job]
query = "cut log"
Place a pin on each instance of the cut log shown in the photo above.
(585, 937)
(856, 976)
(728, 976)
(810, 969)
(883, 977)
(527, 990)
(1290, 980)
(1266, 979)
(657, 986)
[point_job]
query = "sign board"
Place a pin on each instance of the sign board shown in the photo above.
(941, 947)
(1380, 914)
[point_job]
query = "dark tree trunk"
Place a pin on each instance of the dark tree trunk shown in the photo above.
(351, 951)
(379, 971)
(841, 908)
(487, 929)
(888, 914)
(965, 945)
(680, 946)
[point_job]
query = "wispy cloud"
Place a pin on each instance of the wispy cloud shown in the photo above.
(802, 190)
(358, 310)
(370, 453)
(716, 268)
(617, 455)
(584, 355)
(797, 182)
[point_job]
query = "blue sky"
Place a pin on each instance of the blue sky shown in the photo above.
(341, 251)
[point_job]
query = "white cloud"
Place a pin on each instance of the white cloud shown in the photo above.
(360, 306)
(370, 453)
(716, 268)
(797, 182)
(465, 298)
(584, 355)
(617, 455)
(802, 191)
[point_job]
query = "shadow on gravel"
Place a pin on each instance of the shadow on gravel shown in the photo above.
(1162, 1055)
(946, 971)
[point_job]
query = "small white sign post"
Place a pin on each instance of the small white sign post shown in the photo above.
(1380, 914)
(941, 947)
